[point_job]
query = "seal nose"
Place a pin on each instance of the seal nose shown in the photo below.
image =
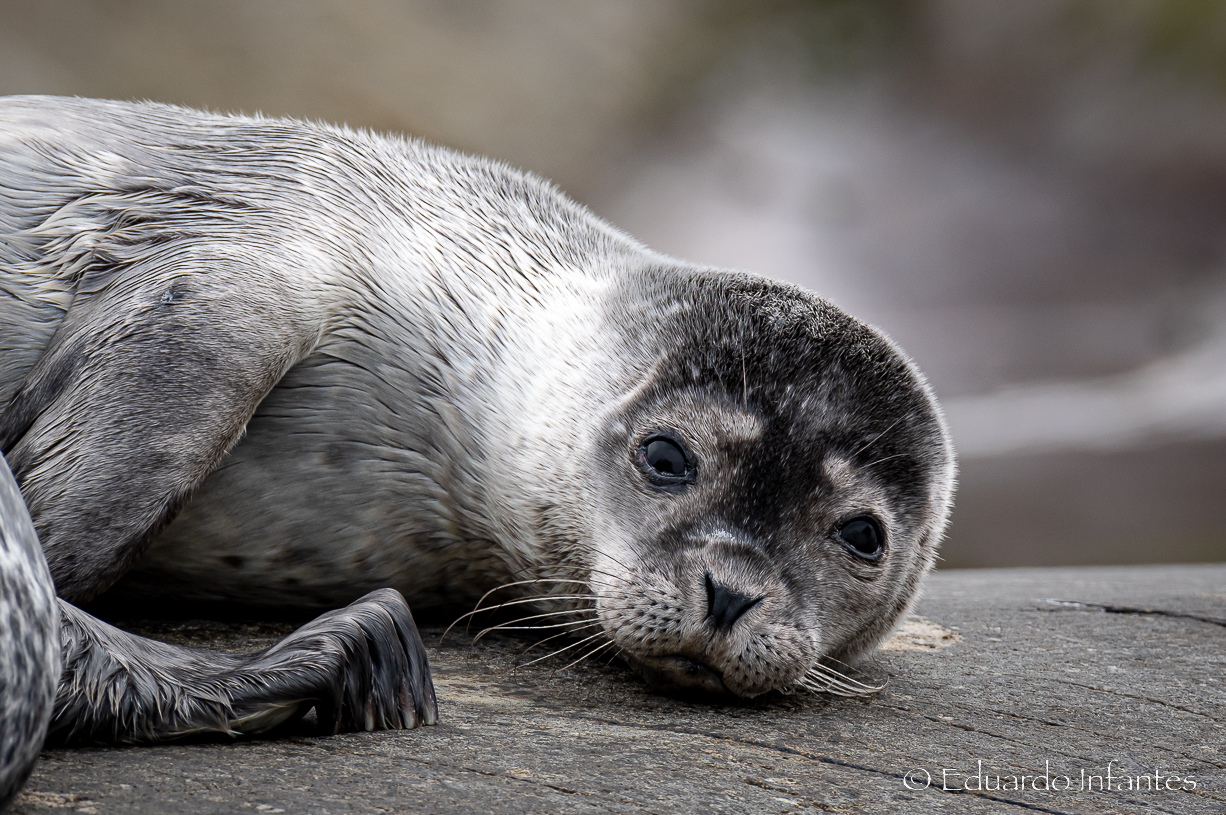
(725, 606)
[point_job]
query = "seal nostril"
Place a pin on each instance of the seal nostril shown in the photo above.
(725, 606)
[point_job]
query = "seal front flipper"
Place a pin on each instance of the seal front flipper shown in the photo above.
(362, 667)
(172, 338)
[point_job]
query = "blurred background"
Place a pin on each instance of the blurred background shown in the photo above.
(1028, 196)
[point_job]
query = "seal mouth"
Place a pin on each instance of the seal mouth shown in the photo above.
(680, 675)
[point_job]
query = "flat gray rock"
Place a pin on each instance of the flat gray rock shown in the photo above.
(1001, 676)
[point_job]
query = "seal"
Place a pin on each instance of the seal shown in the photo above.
(267, 361)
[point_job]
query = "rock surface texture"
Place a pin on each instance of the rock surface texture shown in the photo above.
(1000, 676)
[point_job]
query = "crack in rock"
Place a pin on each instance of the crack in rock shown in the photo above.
(1156, 612)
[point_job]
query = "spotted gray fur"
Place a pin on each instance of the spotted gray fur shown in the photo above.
(29, 641)
(372, 362)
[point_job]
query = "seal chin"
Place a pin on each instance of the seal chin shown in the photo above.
(680, 675)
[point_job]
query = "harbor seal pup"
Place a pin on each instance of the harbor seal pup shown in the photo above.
(262, 360)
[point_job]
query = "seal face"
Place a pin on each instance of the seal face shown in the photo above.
(275, 362)
(770, 496)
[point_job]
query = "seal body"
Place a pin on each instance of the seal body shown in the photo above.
(280, 363)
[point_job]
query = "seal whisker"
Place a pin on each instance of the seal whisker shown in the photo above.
(592, 550)
(544, 598)
(564, 649)
(886, 458)
(820, 686)
(619, 578)
(836, 662)
(574, 625)
(876, 438)
(835, 671)
(816, 687)
(587, 656)
(581, 576)
(617, 652)
(526, 583)
(514, 623)
(835, 690)
(518, 602)
(819, 678)
(826, 672)
(577, 625)
(831, 679)
(538, 598)
(550, 638)
(560, 634)
(499, 588)
(838, 688)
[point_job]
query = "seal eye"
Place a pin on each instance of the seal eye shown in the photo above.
(665, 457)
(666, 463)
(863, 537)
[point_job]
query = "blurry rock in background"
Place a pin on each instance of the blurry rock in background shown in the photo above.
(1029, 197)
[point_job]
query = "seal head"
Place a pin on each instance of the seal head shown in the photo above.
(773, 489)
